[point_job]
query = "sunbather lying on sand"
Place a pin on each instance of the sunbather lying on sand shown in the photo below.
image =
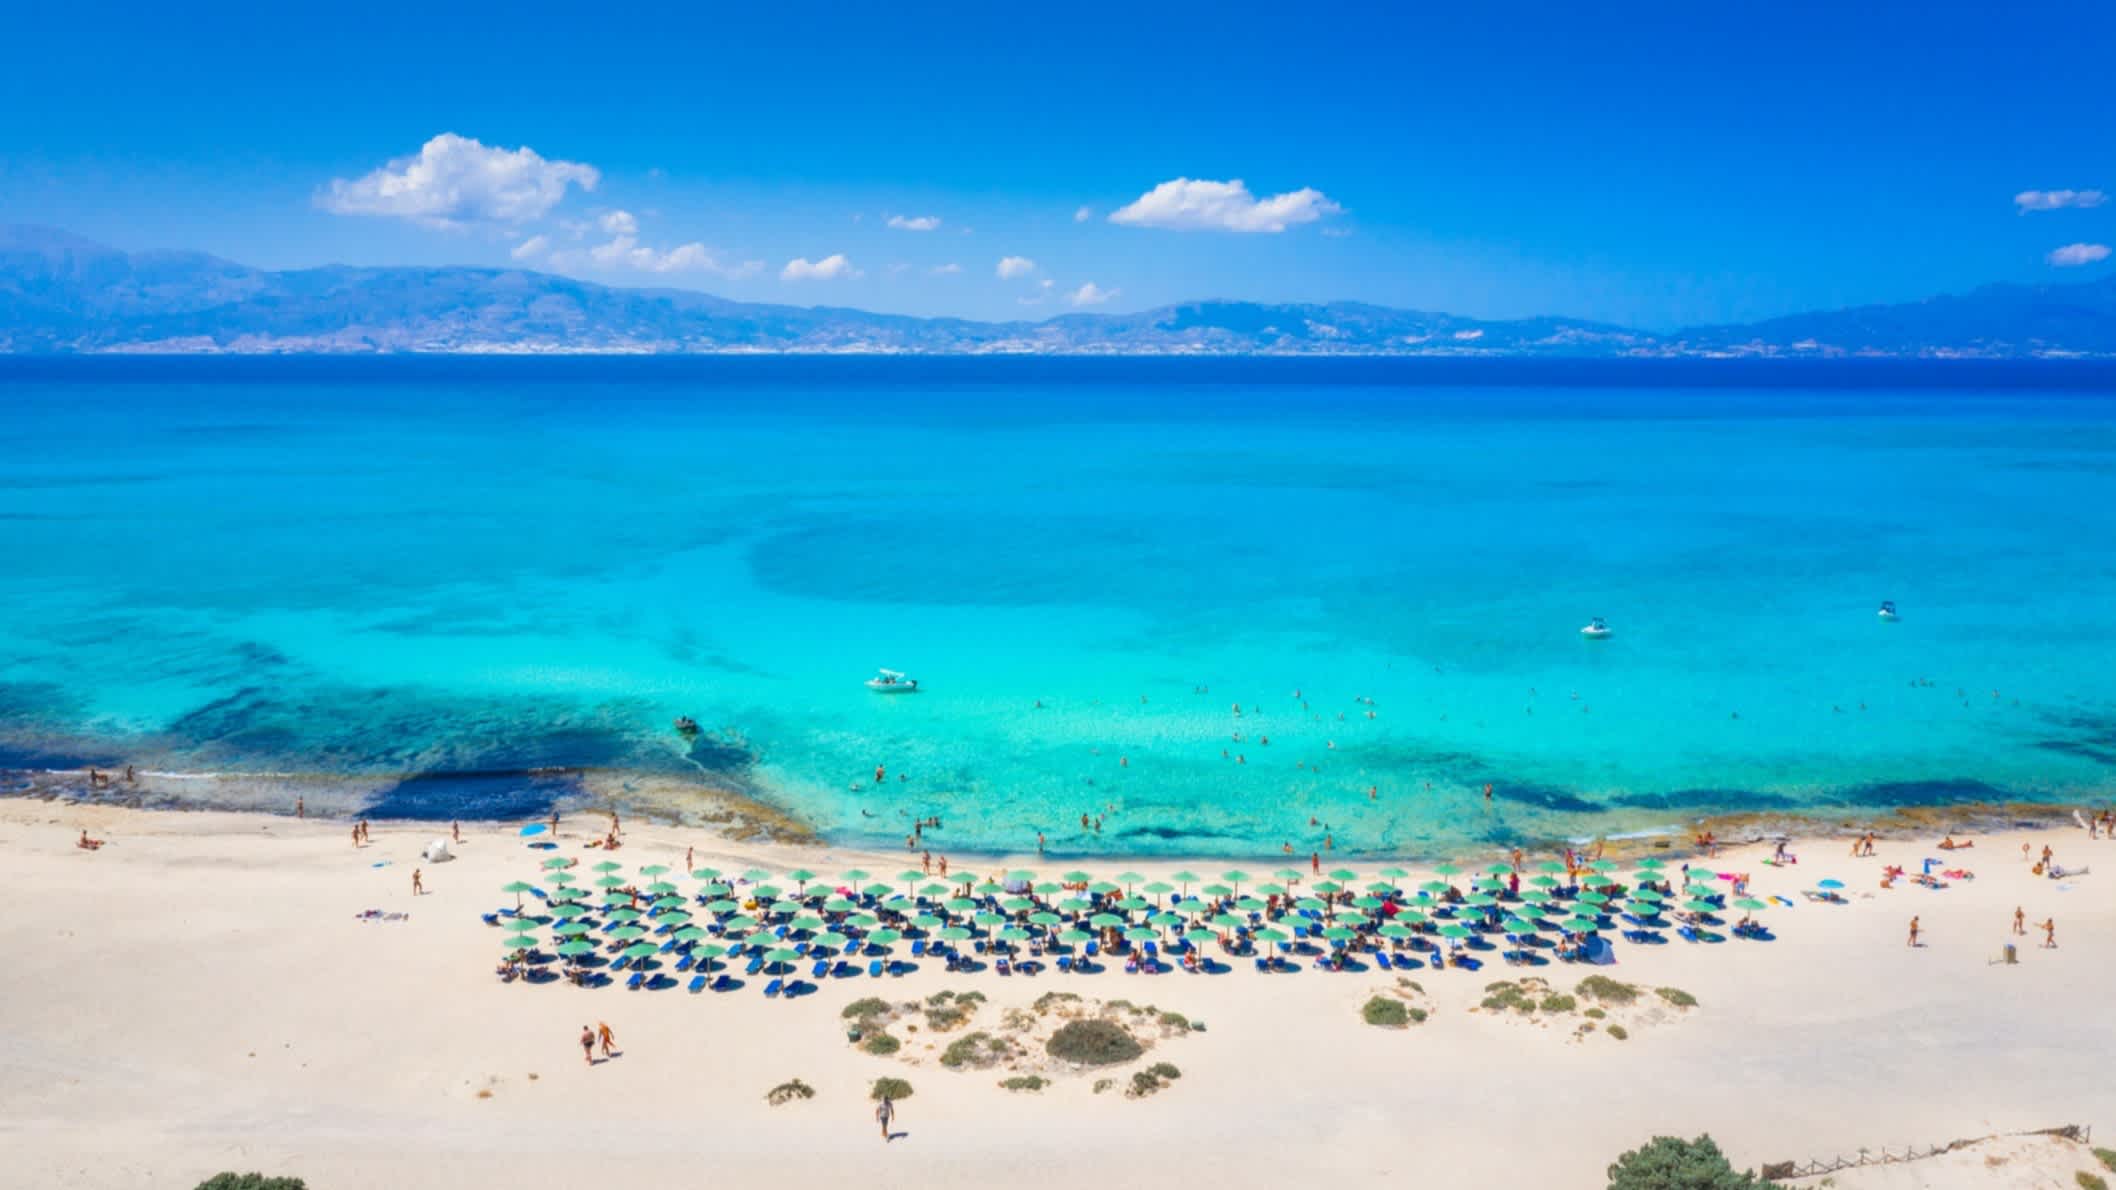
(88, 844)
(1948, 843)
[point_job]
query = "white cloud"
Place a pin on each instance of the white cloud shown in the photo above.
(624, 251)
(2073, 255)
(619, 223)
(828, 268)
(946, 270)
(1083, 214)
(532, 247)
(914, 222)
(455, 180)
(1185, 204)
(1011, 267)
(2051, 200)
(1091, 294)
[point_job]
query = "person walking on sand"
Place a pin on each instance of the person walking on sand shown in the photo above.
(885, 1115)
(1913, 930)
(1315, 862)
(356, 835)
(2020, 922)
(587, 1044)
(455, 831)
(418, 887)
(609, 1039)
(301, 808)
(2049, 929)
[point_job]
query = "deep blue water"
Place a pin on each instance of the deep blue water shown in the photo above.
(438, 573)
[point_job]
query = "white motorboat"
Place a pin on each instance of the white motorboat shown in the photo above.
(889, 681)
(1888, 610)
(1598, 629)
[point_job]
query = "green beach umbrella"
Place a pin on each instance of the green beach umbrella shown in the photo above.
(800, 875)
(625, 915)
(1751, 904)
(1077, 876)
(653, 869)
(689, 934)
(1158, 888)
(557, 861)
(1434, 887)
(1217, 890)
(517, 887)
(641, 950)
(855, 876)
(1328, 886)
(1075, 937)
(1045, 918)
(1129, 878)
(1103, 921)
(1186, 877)
(925, 921)
(1396, 930)
(1451, 930)
(1140, 934)
(1700, 906)
(608, 865)
(1015, 934)
(706, 874)
(1514, 925)
(519, 942)
(884, 938)
(573, 948)
(1411, 915)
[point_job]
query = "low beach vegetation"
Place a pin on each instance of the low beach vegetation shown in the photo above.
(1093, 1042)
(1671, 1163)
(889, 1088)
(789, 1091)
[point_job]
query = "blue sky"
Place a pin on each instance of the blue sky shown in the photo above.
(1655, 165)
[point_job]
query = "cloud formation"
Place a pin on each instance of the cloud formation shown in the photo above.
(619, 223)
(2074, 255)
(531, 248)
(455, 181)
(829, 268)
(2055, 200)
(1091, 294)
(1011, 267)
(914, 222)
(1083, 214)
(946, 270)
(1186, 204)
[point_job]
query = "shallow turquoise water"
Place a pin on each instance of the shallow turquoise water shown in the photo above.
(407, 567)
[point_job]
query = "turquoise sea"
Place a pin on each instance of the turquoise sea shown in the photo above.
(433, 575)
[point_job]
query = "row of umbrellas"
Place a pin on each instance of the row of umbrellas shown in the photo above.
(853, 914)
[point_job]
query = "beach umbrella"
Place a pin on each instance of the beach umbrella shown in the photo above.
(1158, 888)
(1076, 876)
(989, 889)
(990, 921)
(1481, 900)
(839, 905)
(1103, 921)
(877, 890)
(1217, 890)
(800, 876)
(1829, 884)
(1186, 877)
(1368, 902)
(1651, 863)
(1165, 920)
(654, 869)
(1434, 887)
(1452, 930)
(1352, 916)
(707, 874)
(1235, 876)
(641, 950)
(661, 888)
(1021, 876)
(884, 938)
(557, 861)
(1129, 878)
(1075, 937)
(519, 942)
(1412, 916)
(1593, 898)
(862, 921)
(1648, 894)
(1045, 918)
(563, 928)
(934, 889)
(723, 905)
(1328, 886)
(626, 915)
(1047, 887)
(574, 948)
(517, 888)
(1498, 869)
(1447, 869)
(766, 892)
(608, 865)
(569, 910)
(1582, 925)
(855, 877)
(1140, 934)
(1014, 934)
(1104, 886)
(1228, 921)
(740, 921)
(1346, 875)
(1312, 904)
(1251, 905)
(609, 882)
(1340, 934)
(925, 921)
(689, 934)
(1396, 930)
(1700, 906)
(1018, 905)
(1394, 873)
(628, 933)
(960, 905)
(1750, 904)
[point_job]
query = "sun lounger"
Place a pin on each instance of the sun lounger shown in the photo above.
(684, 963)
(1065, 962)
(821, 969)
(874, 969)
(697, 984)
(774, 987)
(756, 964)
(723, 982)
(638, 979)
(491, 919)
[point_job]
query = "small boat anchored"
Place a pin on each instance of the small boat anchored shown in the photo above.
(1888, 610)
(1598, 629)
(890, 681)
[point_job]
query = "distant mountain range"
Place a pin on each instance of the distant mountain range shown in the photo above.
(61, 294)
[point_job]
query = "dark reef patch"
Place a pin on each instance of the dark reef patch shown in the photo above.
(1702, 801)
(503, 796)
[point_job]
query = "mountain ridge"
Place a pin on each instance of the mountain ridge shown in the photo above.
(64, 294)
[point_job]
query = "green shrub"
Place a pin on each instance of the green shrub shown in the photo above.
(2106, 1157)
(1164, 1070)
(889, 1088)
(1559, 1002)
(1048, 1000)
(881, 1044)
(1607, 990)
(944, 1017)
(1104, 1084)
(250, 1181)
(2091, 1181)
(1595, 1014)
(1677, 997)
(788, 1091)
(977, 1049)
(861, 1010)
(1093, 1042)
(1618, 1032)
(1176, 1021)
(1671, 1163)
(1418, 1016)
(1025, 1082)
(1508, 997)
(1387, 1012)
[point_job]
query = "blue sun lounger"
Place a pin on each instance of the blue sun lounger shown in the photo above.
(874, 969)
(697, 984)
(638, 978)
(756, 964)
(774, 987)
(821, 969)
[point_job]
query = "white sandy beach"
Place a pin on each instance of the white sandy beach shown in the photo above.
(198, 996)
